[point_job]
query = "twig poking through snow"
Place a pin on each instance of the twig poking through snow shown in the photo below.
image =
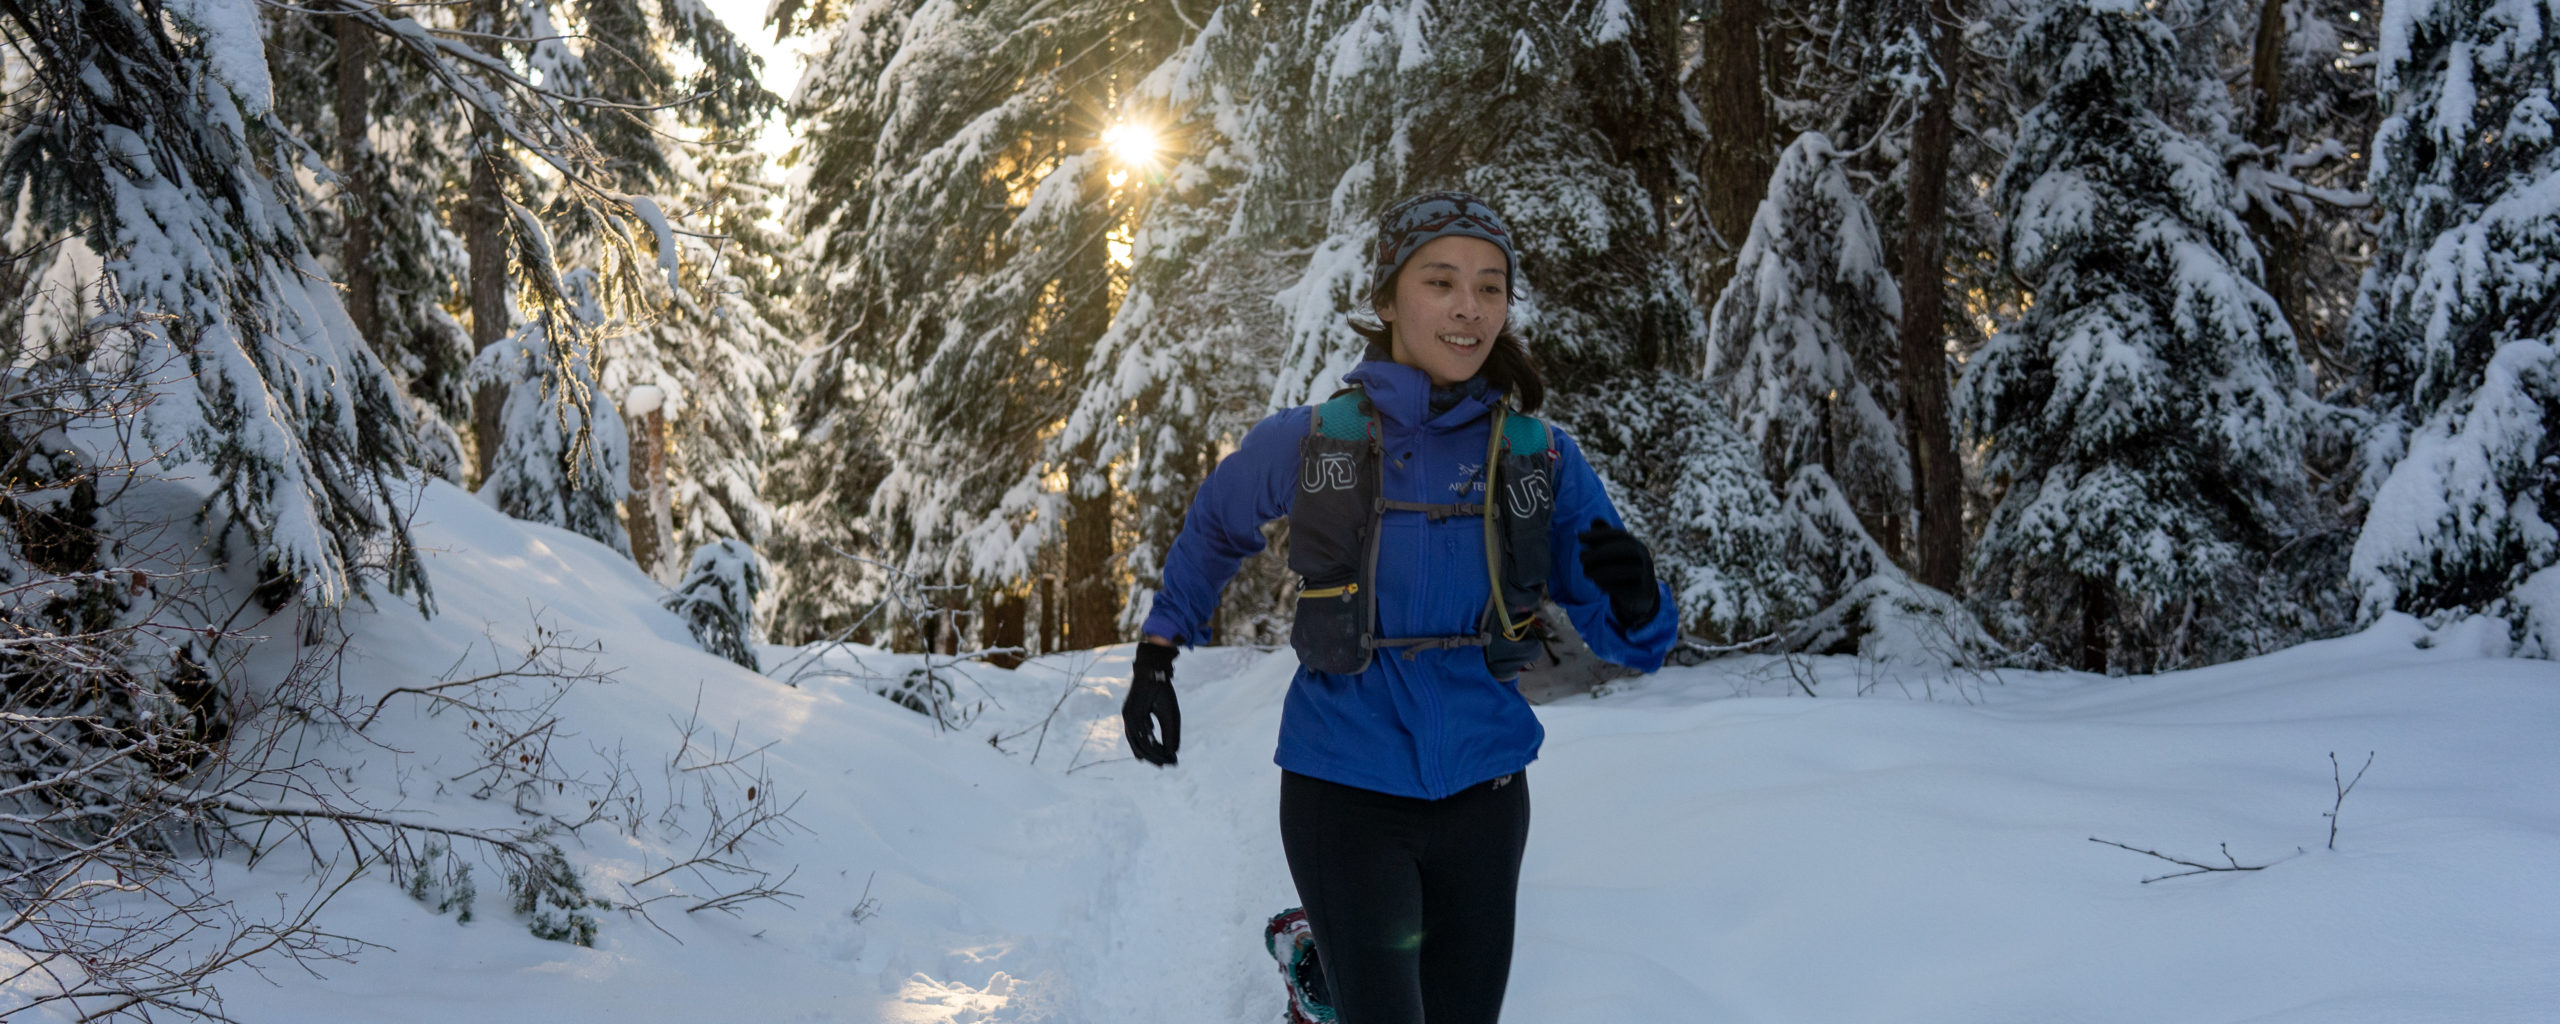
(2235, 864)
(2343, 790)
(2337, 780)
(1107, 760)
(1073, 684)
(865, 908)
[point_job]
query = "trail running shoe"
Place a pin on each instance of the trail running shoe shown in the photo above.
(1294, 947)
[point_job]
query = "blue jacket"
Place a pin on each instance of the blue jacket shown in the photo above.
(1435, 722)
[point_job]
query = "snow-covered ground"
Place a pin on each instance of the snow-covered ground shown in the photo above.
(1710, 844)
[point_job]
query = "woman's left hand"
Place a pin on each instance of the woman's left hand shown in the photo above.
(1619, 563)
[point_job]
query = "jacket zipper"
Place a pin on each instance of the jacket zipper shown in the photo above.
(1435, 772)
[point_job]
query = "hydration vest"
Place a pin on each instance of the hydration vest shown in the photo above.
(1333, 539)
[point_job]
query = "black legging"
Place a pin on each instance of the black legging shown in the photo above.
(1411, 900)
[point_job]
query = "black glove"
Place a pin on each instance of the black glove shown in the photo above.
(1151, 697)
(1622, 567)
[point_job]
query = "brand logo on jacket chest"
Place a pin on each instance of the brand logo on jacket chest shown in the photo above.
(1470, 479)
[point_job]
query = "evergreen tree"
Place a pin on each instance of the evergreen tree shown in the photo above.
(959, 208)
(2298, 160)
(1801, 345)
(711, 338)
(154, 142)
(821, 481)
(2457, 322)
(2143, 419)
(376, 221)
(724, 349)
(1923, 118)
(563, 457)
(651, 134)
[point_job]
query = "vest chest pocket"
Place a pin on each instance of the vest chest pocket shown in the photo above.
(1332, 546)
(1329, 631)
(1526, 505)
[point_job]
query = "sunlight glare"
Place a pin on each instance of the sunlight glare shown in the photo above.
(1134, 145)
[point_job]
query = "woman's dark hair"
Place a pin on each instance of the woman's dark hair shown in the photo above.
(1509, 367)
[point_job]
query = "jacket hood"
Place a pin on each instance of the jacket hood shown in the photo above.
(1403, 396)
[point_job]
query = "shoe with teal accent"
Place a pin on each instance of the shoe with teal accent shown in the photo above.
(1293, 945)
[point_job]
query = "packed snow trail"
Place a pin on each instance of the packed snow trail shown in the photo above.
(1182, 937)
(1708, 844)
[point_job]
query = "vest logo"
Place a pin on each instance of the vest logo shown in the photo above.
(1330, 472)
(1528, 494)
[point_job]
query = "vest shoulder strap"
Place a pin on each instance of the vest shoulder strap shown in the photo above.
(1524, 434)
(1344, 417)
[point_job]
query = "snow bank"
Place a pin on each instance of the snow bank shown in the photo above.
(1710, 844)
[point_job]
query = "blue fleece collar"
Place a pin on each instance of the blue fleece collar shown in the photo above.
(1402, 395)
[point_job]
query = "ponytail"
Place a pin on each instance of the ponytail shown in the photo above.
(1515, 371)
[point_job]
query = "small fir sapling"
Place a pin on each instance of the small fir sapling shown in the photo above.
(564, 458)
(721, 351)
(552, 899)
(717, 599)
(443, 881)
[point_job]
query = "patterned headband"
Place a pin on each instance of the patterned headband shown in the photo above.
(1412, 222)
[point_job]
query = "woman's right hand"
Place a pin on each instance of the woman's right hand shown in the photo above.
(1151, 705)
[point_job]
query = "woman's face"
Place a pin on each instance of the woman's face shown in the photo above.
(1450, 300)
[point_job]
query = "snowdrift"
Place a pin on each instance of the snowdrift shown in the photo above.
(1710, 843)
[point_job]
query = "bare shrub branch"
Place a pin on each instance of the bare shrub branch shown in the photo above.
(720, 792)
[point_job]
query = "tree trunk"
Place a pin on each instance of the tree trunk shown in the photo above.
(2278, 242)
(1648, 129)
(1740, 151)
(1051, 623)
(2097, 606)
(485, 241)
(1000, 625)
(355, 180)
(1086, 288)
(484, 215)
(649, 513)
(1093, 593)
(1936, 480)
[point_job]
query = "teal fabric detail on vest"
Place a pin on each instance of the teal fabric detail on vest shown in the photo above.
(1340, 418)
(1524, 434)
